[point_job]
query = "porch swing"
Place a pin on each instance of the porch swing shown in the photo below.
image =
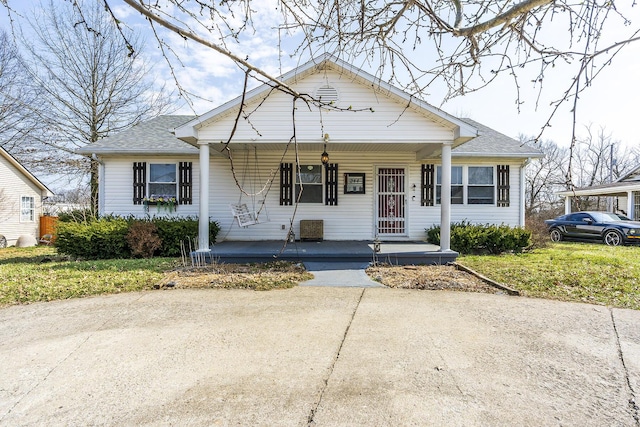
(241, 212)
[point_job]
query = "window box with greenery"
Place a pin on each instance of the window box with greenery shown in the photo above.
(164, 202)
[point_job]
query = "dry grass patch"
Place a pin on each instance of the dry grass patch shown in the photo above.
(259, 277)
(429, 277)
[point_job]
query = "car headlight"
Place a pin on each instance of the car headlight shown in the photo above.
(632, 231)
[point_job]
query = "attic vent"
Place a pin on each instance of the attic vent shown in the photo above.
(327, 94)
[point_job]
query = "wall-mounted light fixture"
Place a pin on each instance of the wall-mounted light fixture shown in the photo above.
(324, 157)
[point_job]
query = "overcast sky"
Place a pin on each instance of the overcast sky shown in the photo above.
(611, 102)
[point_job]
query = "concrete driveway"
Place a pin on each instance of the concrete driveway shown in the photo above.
(318, 357)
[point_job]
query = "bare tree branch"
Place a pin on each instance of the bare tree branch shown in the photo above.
(190, 35)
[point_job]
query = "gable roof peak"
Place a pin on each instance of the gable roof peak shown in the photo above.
(31, 177)
(464, 131)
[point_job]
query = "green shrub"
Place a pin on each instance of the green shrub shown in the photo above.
(103, 238)
(172, 231)
(469, 238)
(106, 237)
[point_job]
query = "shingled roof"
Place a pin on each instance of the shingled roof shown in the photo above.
(151, 137)
(491, 143)
(156, 136)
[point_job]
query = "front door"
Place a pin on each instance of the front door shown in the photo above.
(391, 217)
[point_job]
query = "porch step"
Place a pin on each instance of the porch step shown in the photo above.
(396, 253)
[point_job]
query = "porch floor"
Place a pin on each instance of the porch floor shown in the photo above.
(396, 253)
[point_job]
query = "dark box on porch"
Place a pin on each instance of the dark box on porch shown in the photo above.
(311, 229)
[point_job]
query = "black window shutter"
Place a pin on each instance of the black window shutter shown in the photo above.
(427, 185)
(185, 183)
(286, 184)
(331, 184)
(139, 182)
(503, 186)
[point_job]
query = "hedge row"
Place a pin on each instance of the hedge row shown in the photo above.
(108, 237)
(469, 238)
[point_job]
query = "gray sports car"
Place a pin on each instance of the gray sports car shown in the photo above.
(610, 228)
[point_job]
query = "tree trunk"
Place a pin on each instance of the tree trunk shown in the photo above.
(93, 180)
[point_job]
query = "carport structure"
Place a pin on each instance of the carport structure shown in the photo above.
(625, 193)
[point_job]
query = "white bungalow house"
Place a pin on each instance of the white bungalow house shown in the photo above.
(21, 196)
(625, 194)
(374, 162)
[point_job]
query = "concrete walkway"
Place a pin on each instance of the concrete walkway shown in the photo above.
(339, 274)
(318, 356)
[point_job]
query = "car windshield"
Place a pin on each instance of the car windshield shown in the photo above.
(605, 216)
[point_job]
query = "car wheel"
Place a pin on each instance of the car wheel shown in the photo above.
(555, 235)
(3, 241)
(612, 238)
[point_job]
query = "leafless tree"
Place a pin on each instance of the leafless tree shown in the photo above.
(90, 84)
(15, 96)
(544, 177)
(466, 44)
(599, 159)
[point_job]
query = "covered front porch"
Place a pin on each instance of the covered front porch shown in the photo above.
(395, 253)
(353, 158)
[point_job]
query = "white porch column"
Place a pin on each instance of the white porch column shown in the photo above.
(567, 205)
(445, 199)
(523, 220)
(630, 206)
(203, 199)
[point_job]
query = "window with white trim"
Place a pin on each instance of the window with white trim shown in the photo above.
(309, 180)
(480, 188)
(457, 187)
(163, 180)
(27, 209)
(472, 185)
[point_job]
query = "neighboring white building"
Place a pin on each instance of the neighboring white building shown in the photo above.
(21, 196)
(383, 178)
(625, 194)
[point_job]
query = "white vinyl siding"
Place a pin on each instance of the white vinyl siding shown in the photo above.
(386, 119)
(11, 224)
(352, 219)
(117, 181)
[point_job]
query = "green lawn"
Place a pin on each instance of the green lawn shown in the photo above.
(583, 272)
(592, 273)
(39, 274)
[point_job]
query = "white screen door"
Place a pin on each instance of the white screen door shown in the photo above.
(391, 206)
